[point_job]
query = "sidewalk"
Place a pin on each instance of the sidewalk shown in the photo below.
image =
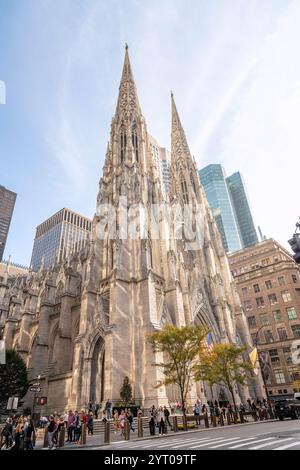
(97, 440)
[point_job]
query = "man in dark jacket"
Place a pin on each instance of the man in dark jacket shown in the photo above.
(7, 433)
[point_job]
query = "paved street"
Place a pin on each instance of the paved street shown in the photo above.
(262, 436)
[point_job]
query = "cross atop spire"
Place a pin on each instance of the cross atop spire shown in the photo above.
(128, 102)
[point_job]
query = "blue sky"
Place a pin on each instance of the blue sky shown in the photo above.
(234, 66)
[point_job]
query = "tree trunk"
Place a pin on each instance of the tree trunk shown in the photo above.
(233, 398)
(183, 411)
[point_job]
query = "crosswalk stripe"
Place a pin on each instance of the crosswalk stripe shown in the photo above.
(233, 442)
(158, 444)
(172, 443)
(184, 442)
(269, 444)
(253, 442)
(233, 439)
(293, 444)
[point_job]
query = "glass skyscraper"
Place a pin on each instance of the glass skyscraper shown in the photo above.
(229, 203)
(7, 204)
(241, 205)
(55, 238)
(213, 180)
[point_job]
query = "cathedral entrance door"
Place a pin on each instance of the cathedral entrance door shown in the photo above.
(97, 372)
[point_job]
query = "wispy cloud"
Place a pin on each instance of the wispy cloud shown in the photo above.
(213, 121)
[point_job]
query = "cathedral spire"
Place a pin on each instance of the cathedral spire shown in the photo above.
(179, 145)
(128, 103)
(184, 180)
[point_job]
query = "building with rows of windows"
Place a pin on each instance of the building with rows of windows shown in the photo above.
(268, 280)
(58, 236)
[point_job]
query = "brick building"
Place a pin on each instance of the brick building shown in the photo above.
(268, 282)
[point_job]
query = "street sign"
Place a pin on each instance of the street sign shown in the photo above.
(35, 389)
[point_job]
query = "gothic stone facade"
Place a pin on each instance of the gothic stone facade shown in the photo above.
(82, 324)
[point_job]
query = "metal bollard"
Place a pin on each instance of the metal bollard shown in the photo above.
(206, 420)
(254, 416)
(235, 418)
(242, 417)
(214, 421)
(228, 419)
(165, 427)
(107, 432)
(175, 424)
(83, 434)
(221, 419)
(61, 437)
(45, 444)
(127, 431)
(140, 427)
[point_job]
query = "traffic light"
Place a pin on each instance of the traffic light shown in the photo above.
(295, 245)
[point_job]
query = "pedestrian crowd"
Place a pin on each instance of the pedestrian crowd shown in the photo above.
(258, 410)
(19, 432)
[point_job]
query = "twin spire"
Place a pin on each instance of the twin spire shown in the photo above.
(128, 107)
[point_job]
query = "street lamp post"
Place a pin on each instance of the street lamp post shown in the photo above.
(260, 362)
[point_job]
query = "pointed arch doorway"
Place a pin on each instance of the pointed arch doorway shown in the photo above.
(97, 372)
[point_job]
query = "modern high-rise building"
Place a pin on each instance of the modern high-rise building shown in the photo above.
(58, 236)
(7, 204)
(213, 180)
(241, 205)
(227, 197)
(268, 281)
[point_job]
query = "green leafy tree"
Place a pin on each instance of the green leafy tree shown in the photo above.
(13, 378)
(224, 365)
(126, 392)
(181, 348)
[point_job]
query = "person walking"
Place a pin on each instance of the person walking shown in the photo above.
(197, 412)
(116, 421)
(96, 408)
(30, 435)
(123, 422)
(90, 423)
(152, 421)
(19, 435)
(7, 432)
(77, 428)
(161, 421)
(167, 416)
(51, 431)
(108, 409)
(130, 419)
(71, 426)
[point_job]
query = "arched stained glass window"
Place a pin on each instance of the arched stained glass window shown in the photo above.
(134, 138)
(184, 192)
(123, 142)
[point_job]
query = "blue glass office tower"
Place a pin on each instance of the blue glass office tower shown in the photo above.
(241, 205)
(213, 180)
(229, 203)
